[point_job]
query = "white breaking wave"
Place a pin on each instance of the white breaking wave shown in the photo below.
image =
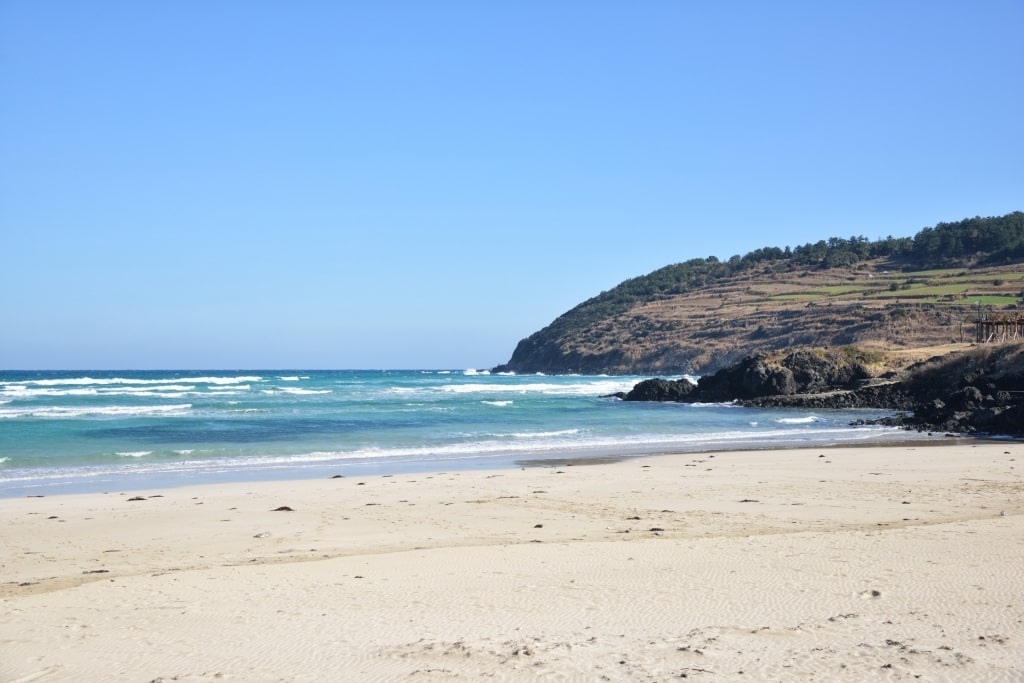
(106, 411)
(796, 420)
(603, 387)
(538, 443)
(147, 388)
(137, 388)
(166, 391)
(541, 435)
(21, 392)
(545, 446)
(699, 406)
(83, 381)
(303, 392)
(134, 454)
(500, 404)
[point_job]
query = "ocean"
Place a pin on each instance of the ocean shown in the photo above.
(64, 432)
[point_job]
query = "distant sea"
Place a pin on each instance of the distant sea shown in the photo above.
(63, 432)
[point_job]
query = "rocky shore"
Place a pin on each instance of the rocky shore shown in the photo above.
(979, 391)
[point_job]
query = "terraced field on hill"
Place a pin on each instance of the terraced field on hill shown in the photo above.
(872, 305)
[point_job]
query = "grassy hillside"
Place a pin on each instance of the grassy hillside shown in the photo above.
(702, 314)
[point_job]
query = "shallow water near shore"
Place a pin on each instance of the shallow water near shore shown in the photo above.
(78, 431)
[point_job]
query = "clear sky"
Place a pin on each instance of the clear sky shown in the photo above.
(246, 184)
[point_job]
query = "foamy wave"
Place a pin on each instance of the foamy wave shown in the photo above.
(134, 454)
(500, 404)
(86, 381)
(224, 380)
(112, 388)
(796, 420)
(289, 378)
(566, 441)
(3, 460)
(147, 389)
(541, 435)
(107, 411)
(555, 443)
(165, 391)
(152, 393)
(303, 392)
(593, 388)
(22, 392)
(731, 404)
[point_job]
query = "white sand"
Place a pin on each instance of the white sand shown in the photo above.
(887, 563)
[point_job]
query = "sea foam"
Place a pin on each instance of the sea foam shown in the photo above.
(591, 388)
(796, 420)
(100, 411)
(81, 381)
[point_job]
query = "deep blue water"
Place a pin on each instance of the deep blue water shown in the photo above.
(87, 431)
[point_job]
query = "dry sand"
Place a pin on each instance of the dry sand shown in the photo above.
(901, 563)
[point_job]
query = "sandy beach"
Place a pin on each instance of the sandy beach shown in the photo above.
(847, 564)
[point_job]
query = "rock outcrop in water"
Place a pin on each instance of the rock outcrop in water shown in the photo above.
(979, 391)
(760, 375)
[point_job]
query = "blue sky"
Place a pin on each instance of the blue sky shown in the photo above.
(422, 184)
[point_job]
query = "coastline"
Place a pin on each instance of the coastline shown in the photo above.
(228, 473)
(832, 562)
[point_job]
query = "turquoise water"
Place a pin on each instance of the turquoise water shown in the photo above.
(88, 431)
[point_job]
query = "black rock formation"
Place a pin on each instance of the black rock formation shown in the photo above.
(801, 372)
(979, 391)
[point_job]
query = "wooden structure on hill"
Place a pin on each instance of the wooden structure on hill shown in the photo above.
(1000, 326)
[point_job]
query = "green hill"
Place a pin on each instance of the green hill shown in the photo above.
(702, 314)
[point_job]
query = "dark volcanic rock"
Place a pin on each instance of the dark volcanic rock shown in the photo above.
(815, 372)
(758, 377)
(980, 390)
(801, 372)
(749, 378)
(977, 391)
(661, 390)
